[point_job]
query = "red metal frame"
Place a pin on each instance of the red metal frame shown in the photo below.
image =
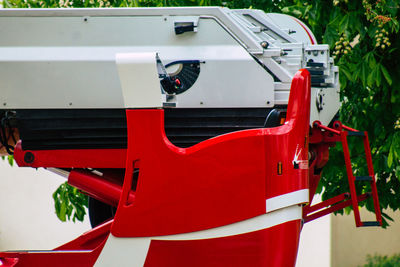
(322, 138)
(98, 187)
(331, 206)
(70, 158)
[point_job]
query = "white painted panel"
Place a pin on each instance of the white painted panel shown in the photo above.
(289, 199)
(65, 62)
(139, 80)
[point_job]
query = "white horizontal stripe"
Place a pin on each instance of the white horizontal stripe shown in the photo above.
(286, 200)
(133, 251)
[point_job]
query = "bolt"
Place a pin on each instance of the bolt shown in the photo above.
(336, 125)
(29, 157)
(264, 44)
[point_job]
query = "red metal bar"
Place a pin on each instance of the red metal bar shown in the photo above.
(70, 158)
(326, 203)
(371, 172)
(97, 187)
(334, 208)
(368, 155)
(319, 125)
(351, 179)
(347, 128)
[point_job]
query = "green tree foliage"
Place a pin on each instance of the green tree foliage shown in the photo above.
(70, 203)
(364, 40)
(383, 261)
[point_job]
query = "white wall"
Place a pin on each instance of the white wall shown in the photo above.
(27, 215)
(315, 242)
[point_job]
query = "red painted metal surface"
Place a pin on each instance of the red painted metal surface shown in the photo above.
(72, 158)
(82, 251)
(89, 240)
(8, 262)
(98, 187)
(273, 247)
(220, 181)
(217, 182)
(83, 258)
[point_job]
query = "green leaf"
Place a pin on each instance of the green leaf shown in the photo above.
(370, 58)
(344, 23)
(386, 75)
(69, 203)
(330, 35)
(344, 69)
(10, 160)
(390, 157)
(63, 212)
(361, 73)
(371, 77)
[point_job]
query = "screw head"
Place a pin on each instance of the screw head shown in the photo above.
(264, 44)
(29, 157)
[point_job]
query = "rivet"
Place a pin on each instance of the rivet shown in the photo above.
(264, 44)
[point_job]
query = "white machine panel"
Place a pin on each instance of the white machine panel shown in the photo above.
(65, 58)
(69, 62)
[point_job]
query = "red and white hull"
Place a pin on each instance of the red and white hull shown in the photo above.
(232, 200)
(258, 241)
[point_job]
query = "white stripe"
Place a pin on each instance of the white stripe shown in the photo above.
(133, 251)
(286, 200)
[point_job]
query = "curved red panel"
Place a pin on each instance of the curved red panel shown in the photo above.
(220, 181)
(273, 247)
